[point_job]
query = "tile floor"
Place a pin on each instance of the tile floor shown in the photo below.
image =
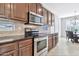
(65, 48)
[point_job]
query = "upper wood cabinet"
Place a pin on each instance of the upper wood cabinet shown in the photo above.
(49, 18)
(5, 10)
(18, 11)
(44, 16)
(7, 7)
(39, 9)
(11, 11)
(32, 7)
(1, 9)
(26, 14)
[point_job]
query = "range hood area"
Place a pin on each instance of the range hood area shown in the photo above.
(34, 19)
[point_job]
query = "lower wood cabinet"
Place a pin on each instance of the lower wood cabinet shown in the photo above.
(11, 53)
(26, 51)
(52, 41)
(6, 48)
(25, 47)
(56, 39)
(18, 48)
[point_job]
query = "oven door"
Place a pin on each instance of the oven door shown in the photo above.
(40, 45)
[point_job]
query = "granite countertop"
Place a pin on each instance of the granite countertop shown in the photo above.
(7, 39)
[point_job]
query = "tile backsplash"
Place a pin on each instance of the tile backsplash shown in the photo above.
(19, 29)
(6, 25)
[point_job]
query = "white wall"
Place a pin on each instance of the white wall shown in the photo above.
(59, 27)
(63, 9)
(63, 28)
(56, 24)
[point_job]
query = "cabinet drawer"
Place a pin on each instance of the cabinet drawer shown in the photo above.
(25, 42)
(11, 53)
(8, 47)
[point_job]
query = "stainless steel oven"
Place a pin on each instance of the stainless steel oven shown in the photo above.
(41, 46)
(35, 18)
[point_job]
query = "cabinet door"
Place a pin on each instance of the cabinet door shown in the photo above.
(54, 41)
(32, 7)
(7, 10)
(50, 42)
(44, 16)
(1, 9)
(49, 18)
(26, 51)
(11, 11)
(26, 15)
(19, 11)
(39, 9)
(11, 53)
(8, 47)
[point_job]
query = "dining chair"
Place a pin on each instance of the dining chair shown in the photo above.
(69, 35)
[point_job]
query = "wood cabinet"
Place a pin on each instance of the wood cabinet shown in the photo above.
(18, 48)
(54, 44)
(26, 14)
(11, 11)
(44, 16)
(18, 11)
(25, 47)
(32, 7)
(49, 18)
(5, 10)
(25, 42)
(11, 53)
(9, 49)
(56, 39)
(1, 9)
(26, 50)
(50, 42)
(7, 7)
(39, 9)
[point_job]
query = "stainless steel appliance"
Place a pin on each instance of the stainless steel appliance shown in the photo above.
(35, 18)
(29, 32)
(41, 46)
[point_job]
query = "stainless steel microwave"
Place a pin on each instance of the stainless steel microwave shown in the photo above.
(35, 18)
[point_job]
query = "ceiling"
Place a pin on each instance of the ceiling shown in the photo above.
(63, 9)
